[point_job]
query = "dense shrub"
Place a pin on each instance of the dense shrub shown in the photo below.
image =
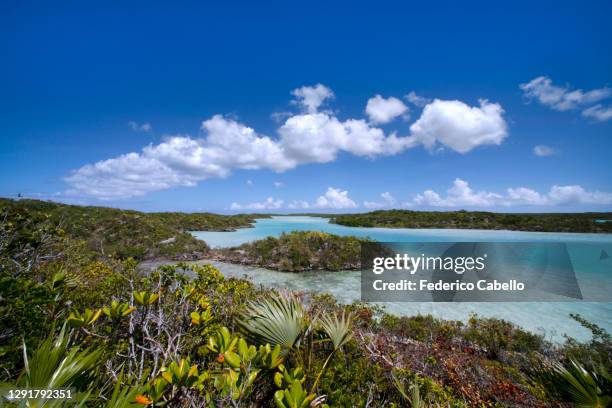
(110, 232)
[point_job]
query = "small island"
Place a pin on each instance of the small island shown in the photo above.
(298, 251)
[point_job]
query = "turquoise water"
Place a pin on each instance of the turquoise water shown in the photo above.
(275, 226)
(548, 318)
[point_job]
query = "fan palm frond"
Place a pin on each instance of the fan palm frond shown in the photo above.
(581, 385)
(280, 320)
(54, 365)
(338, 329)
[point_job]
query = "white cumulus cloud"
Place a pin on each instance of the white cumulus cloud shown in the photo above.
(381, 110)
(319, 137)
(460, 194)
(577, 194)
(129, 175)
(334, 198)
(311, 136)
(181, 161)
(460, 127)
(524, 195)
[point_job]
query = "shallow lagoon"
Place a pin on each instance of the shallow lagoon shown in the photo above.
(549, 318)
(275, 226)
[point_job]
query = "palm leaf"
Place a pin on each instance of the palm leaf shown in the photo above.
(585, 388)
(123, 396)
(337, 329)
(54, 365)
(277, 320)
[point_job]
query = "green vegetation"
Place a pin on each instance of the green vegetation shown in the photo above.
(298, 251)
(552, 222)
(184, 335)
(100, 232)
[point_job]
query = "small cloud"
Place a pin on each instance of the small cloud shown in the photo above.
(563, 98)
(312, 97)
(140, 127)
(269, 204)
(299, 205)
(598, 112)
(278, 184)
(333, 198)
(279, 117)
(417, 100)
(381, 110)
(543, 151)
(458, 126)
(387, 201)
(373, 204)
(249, 183)
(462, 195)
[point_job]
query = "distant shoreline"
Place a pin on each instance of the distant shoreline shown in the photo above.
(589, 222)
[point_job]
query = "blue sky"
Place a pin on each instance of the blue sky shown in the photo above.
(224, 100)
